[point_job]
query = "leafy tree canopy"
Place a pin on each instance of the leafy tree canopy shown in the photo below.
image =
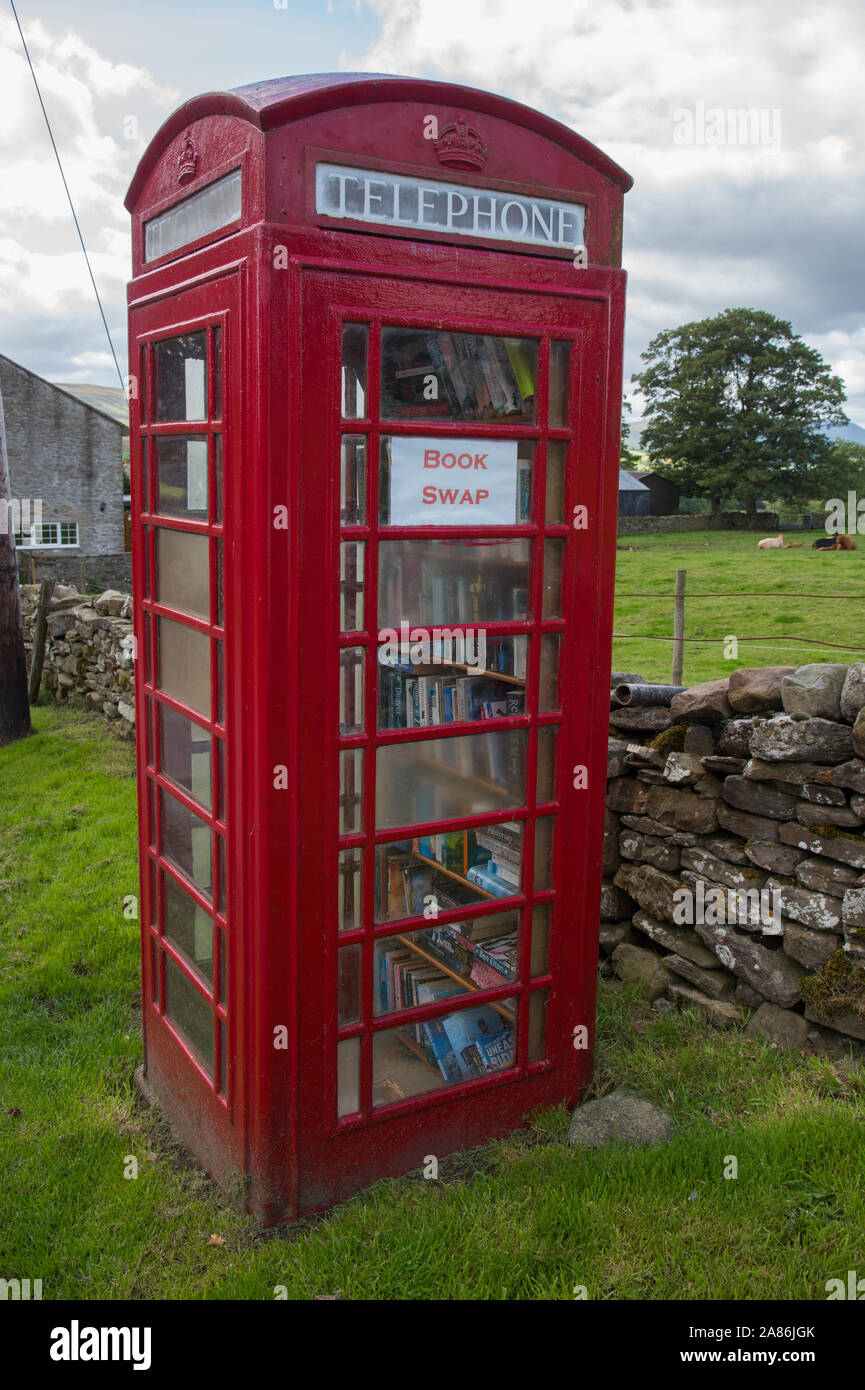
(736, 405)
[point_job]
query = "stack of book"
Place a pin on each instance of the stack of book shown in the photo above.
(477, 377)
(428, 697)
(500, 872)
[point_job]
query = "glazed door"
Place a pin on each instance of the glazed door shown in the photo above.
(453, 439)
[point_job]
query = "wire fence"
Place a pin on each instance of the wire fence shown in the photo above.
(769, 643)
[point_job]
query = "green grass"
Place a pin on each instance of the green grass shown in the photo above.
(729, 562)
(527, 1218)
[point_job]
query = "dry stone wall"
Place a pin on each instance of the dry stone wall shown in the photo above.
(89, 649)
(734, 852)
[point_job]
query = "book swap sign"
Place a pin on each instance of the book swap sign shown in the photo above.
(453, 482)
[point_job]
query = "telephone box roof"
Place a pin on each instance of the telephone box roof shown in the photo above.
(283, 99)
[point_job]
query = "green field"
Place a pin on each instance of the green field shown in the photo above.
(527, 1218)
(728, 562)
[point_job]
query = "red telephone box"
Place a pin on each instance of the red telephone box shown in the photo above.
(376, 337)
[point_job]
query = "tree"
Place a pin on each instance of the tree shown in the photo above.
(735, 407)
(14, 704)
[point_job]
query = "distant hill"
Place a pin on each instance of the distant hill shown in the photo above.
(853, 432)
(109, 399)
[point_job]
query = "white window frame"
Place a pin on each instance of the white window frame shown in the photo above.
(31, 543)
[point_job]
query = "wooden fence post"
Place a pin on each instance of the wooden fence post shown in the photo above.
(679, 628)
(40, 632)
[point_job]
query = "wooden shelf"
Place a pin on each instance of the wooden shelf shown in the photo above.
(469, 985)
(466, 882)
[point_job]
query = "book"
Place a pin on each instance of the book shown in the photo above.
(463, 1029)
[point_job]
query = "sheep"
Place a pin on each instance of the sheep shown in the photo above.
(771, 544)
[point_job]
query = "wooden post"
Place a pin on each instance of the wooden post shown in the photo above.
(40, 632)
(14, 706)
(679, 628)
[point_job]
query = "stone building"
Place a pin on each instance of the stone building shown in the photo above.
(67, 454)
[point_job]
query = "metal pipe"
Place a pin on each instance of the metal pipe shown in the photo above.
(646, 694)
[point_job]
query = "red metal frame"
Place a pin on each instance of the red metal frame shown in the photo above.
(272, 1136)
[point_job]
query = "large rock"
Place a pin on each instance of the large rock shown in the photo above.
(815, 690)
(853, 908)
(726, 848)
(748, 826)
(616, 905)
(647, 718)
(735, 736)
(721, 1012)
(770, 972)
(810, 948)
(637, 966)
(683, 769)
(612, 859)
(682, 809)
(759, 798)
(815, 910)
(645, 849)
(774, 857)
(683, 941)
(644, 825)
(826, 876)
(779, 1027)
(626, 795)
(620, 1117)
(858, 736)
(652, 889)
(704, 864)
(837, 844)
(853, 694)
(757, 688)
(613, 934)
(796, 774)
(827, 815)
(793, 740)
(718, 984)
(702, 702)
(850, 774)
(817, 795)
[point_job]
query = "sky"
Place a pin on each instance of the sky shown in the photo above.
(766, 213)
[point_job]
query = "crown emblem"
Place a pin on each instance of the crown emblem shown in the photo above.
(187, 162)
(461, 146)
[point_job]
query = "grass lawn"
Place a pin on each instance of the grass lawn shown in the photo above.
(527, 1218)
(729, 562)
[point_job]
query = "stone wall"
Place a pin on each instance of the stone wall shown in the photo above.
(734, 862)
(88, 652)
(85, 573)
(767, 522)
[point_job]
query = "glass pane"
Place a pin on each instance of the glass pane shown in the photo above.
(434, 963)
(452, 582)
(548, 688)
(217, 478)
(538, 1025)
(183, 657)
(559, 360)
(462, 1046)
(220, 939)
(223, 1055)
(148, 730)
(540, 962)
(445, 482)
(181, 476)
(185, 751)
(220, 779)
(188, 843)
(352, 497)
(350, 790)
(183, 572)
(348, 1069)
(188, 927)
(220, 900)
(351, 586)
(456, 376)
(220, 681)
(449, 778)
(142, 387)
(544, 829)
(354, 356)
(348, 985)
(454, 868)
(189, 1012)
(546, 783)
(554, 553)
(180, 370)
(554, 513)
(217, 372)
(349, 889)
(220, 584)
(154, 967)
(419, 684)
(351, 690)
